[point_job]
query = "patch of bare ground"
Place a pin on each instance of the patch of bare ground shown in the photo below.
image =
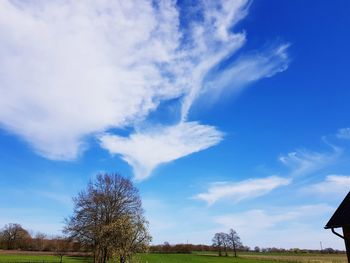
(43, 253)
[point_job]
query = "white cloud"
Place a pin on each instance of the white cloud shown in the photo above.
(333, 185)
(246, 70)
(63, 199)
(246, 189)
(72, 69)
(267, 219)
(344, 133)
(146, 150)
(292, 226)
(303, 162)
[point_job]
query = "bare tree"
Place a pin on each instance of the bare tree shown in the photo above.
(166, 247)
(234, 241)
(225, 242)
(39, 241)
(108, 217)
(14, 236)
(218, 243)
(61, 247)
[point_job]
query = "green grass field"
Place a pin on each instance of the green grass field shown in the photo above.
(185, 258)
(192, 258)
(144, 258)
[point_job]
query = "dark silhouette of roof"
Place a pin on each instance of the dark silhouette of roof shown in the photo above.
(341, 216)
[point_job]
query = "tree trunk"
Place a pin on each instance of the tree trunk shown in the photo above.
(234, 250)
(105, 255)
(122, 259)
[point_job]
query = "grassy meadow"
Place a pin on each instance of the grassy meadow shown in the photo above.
(192, 258)
(184, 258)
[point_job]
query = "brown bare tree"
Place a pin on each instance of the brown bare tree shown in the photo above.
(62, 246)
(38, 241)
(108, 217)
(218, 243)
(234, 241)
(14, 236)
(225, 242)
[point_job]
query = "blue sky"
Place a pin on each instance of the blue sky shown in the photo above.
(231, 114)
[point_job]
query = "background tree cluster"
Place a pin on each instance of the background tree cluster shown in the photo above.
(108, 217)
(223, 242)
(297, 250)
(166, 248)
(14, 237)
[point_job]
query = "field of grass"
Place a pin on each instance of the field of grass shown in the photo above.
(185, 258)
(192, 258)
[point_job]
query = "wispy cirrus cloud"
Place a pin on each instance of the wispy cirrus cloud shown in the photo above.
(63, 199)
(304, 162)
(265, 219)
(76, 69)
(333, 185)
(277, 223)
(343, 133)
(246, 70)
(300, 163)
(238, 191)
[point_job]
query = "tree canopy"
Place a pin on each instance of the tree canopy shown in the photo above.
(224, 241)
(108, 217)
(14, 236)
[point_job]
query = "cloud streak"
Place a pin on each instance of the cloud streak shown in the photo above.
(277, 223)
(238, 191)
(70, 70)
(246, 70)
(304, 162)
(332, 185)
(264, 219)
(145, 151)
(344, 133)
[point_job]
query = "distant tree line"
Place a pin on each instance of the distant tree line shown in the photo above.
(14, 237)
(297, 250)
(166, 248)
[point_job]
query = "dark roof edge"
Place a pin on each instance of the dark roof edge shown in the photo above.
(341, 206)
